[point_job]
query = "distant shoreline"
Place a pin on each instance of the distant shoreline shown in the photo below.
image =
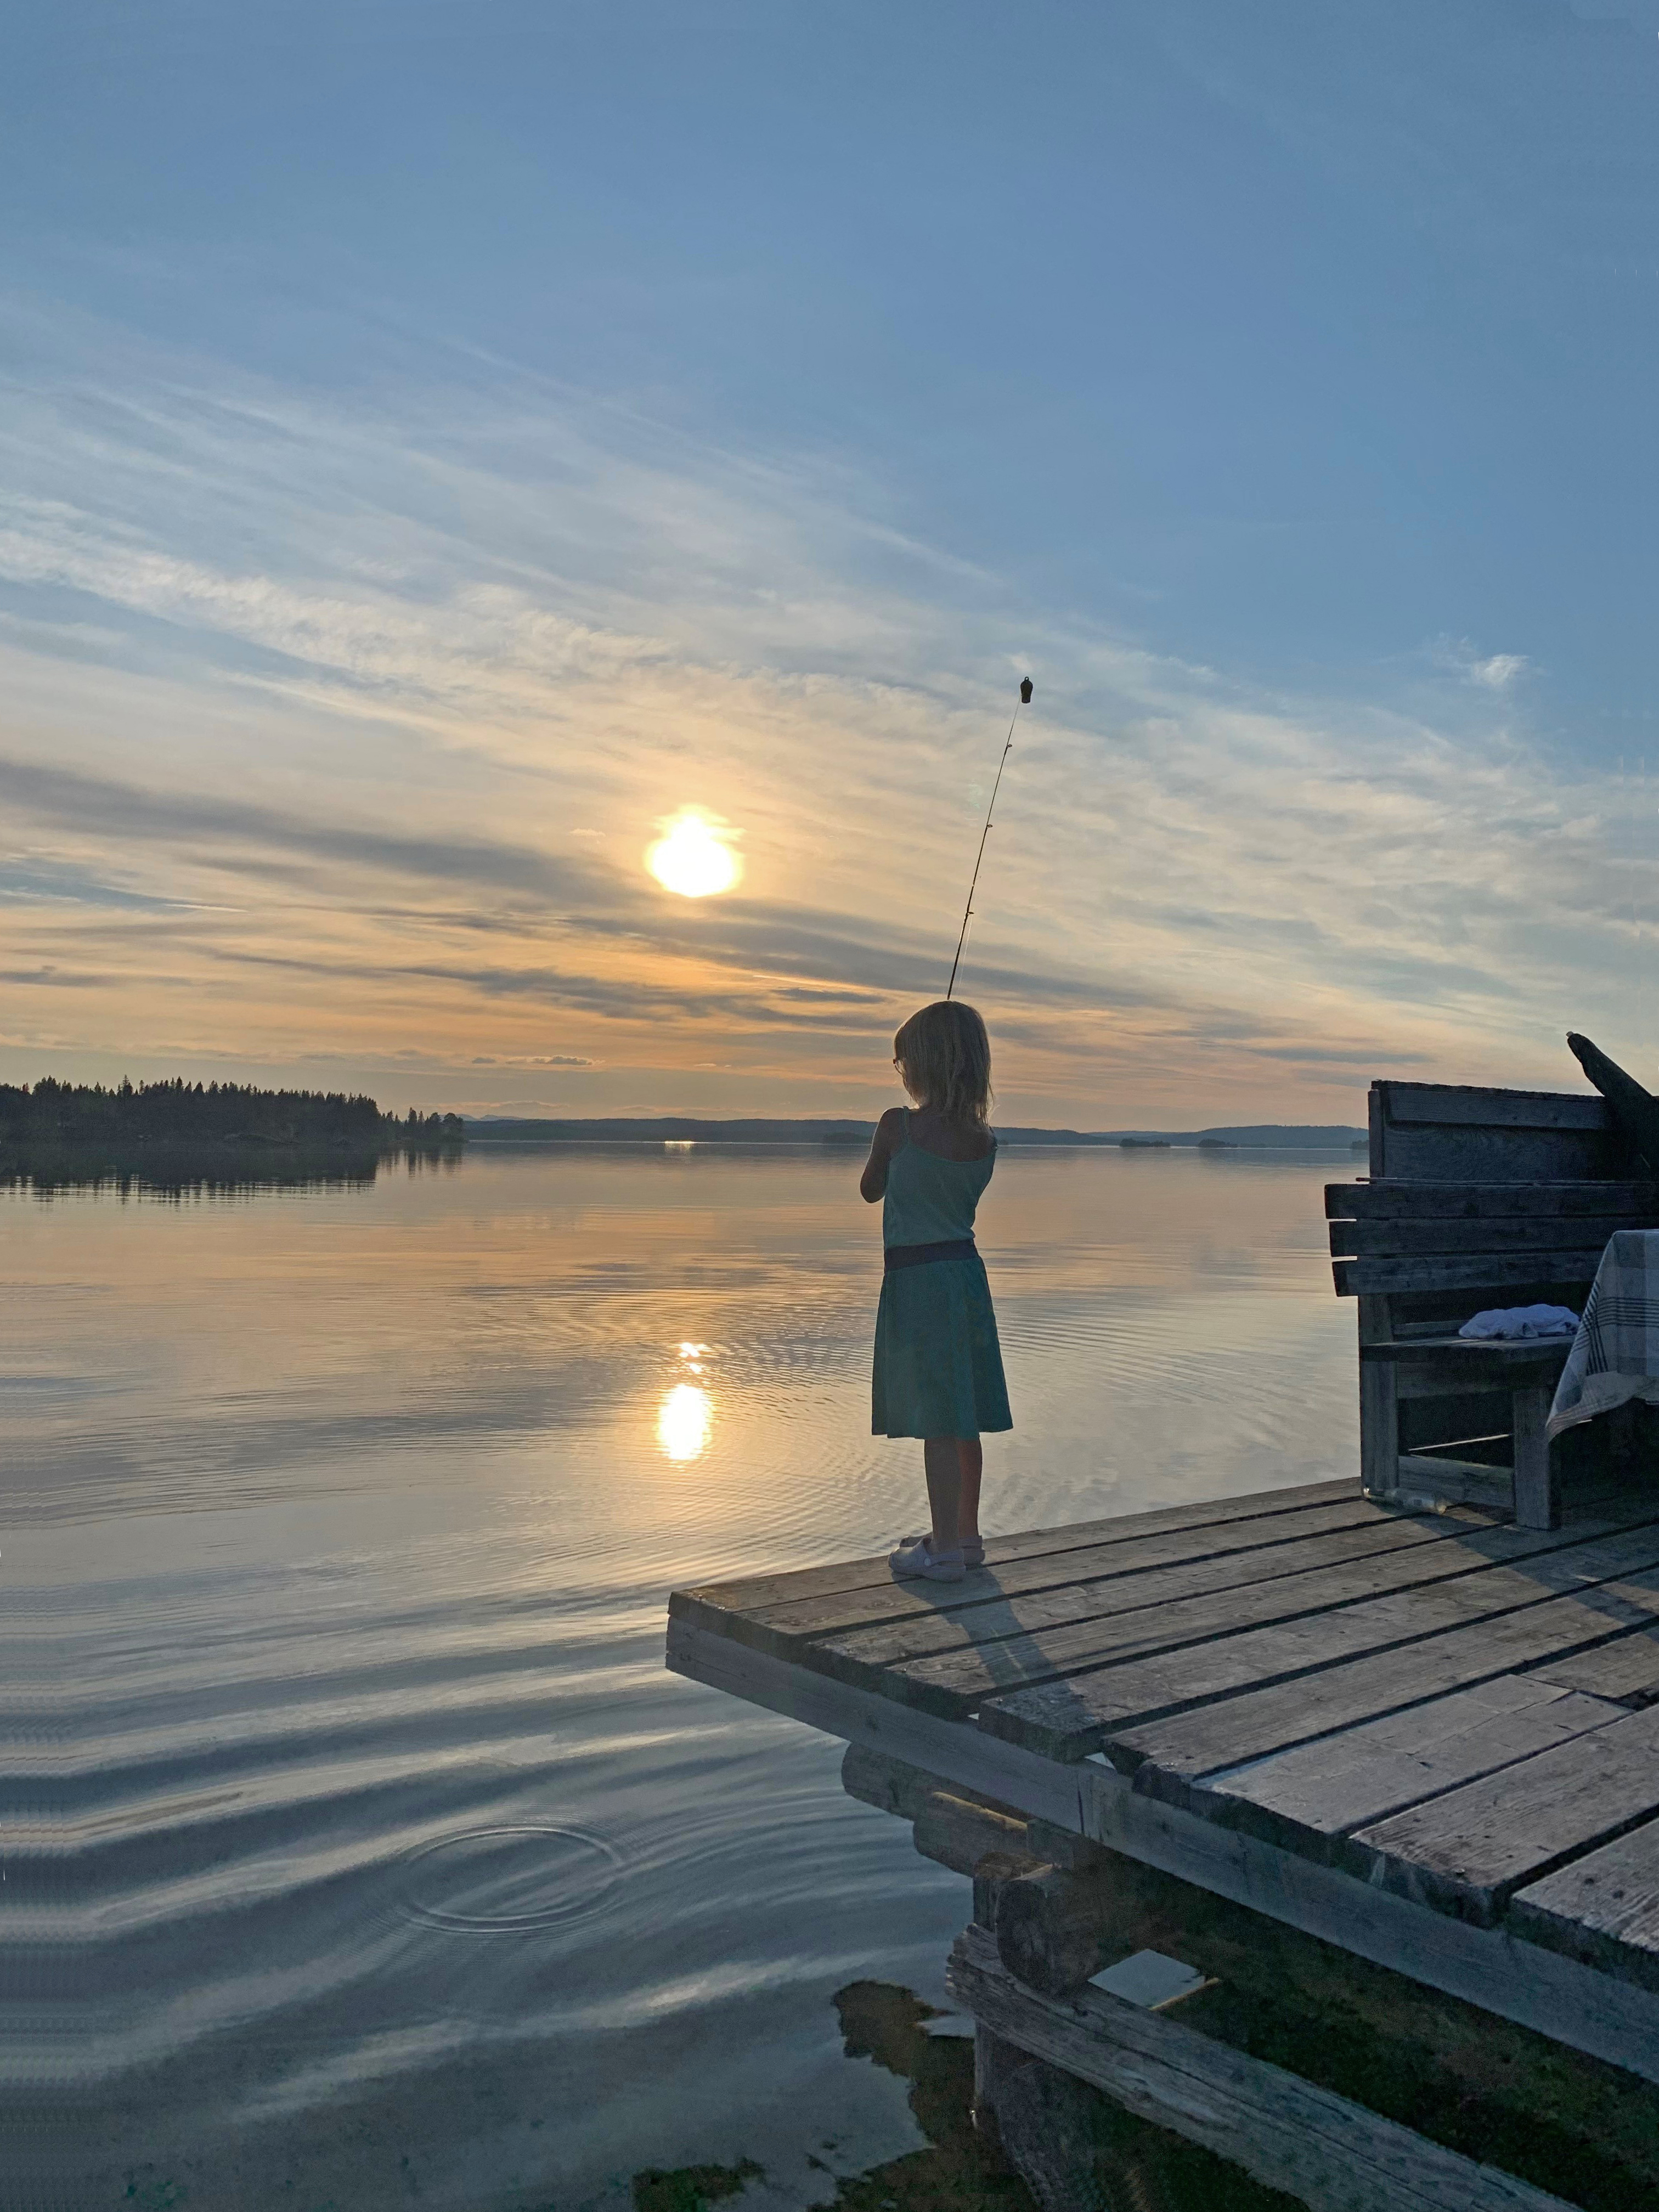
(659, 1129)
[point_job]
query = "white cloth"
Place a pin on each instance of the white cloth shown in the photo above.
(1522, 1320)
(1615, 1355)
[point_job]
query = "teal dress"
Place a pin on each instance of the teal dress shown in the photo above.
(938, 1366)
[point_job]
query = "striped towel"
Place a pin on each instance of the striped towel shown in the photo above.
(1615, 1354)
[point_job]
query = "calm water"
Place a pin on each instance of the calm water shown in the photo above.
(368, 1855)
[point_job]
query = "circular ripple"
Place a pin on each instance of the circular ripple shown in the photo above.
(495, 1881)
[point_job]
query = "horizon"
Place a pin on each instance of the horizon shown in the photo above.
(394, 554)
(835, 1121)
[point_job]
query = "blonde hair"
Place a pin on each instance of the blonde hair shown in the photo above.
(944, 1058)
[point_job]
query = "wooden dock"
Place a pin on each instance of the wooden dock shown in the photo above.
(1428, 1738)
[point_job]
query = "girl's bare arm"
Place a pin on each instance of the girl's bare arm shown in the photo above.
(873, 1184)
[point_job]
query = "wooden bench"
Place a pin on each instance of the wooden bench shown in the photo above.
(1476, 1197)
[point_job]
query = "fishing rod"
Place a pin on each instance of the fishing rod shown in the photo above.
(1024, 701)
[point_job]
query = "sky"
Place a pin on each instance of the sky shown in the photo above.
(441, 443)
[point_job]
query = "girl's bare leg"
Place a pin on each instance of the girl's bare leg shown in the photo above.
(941, 1457)
(970, 1458)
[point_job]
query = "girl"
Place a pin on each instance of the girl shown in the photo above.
(939, 1366)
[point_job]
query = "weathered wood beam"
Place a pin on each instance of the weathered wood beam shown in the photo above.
(1055, 1928)
(958, 1832)
(1386, 1200)
(955, 1825)
(1540, 1239)
(1473, 1105)
(1331, 2153)
(1471, 1270)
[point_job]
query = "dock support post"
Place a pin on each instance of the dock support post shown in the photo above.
(1379, 1404)
(1537, 1494)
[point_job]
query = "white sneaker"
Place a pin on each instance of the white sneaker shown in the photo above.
(973, 1555)
(919, 1562)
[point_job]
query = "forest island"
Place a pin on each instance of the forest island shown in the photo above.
(54, 1114)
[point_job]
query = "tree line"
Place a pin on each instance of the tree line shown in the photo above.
(50, 1112)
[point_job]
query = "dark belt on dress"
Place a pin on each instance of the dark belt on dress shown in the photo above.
(922, 1255)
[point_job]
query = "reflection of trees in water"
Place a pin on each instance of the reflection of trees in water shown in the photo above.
(222, 1171)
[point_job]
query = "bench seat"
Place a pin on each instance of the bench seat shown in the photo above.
(1476, 1197)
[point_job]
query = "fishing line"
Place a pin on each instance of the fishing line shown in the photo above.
(1025, 689)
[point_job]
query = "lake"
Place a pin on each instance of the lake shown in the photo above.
(364, 1852)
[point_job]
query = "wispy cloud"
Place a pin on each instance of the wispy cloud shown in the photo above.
(103, 807)
(1489, 672)
(311, 710)
(1498, 670)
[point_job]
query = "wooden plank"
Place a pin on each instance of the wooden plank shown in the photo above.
(1562, 1639)
(1454, 1155)
(1535, 1988)
(1627, 1668)
(923, 1630)
(1547, 1235)
(1425, 1479)
(1448, 1105)
(1311, 1798)
(1494, 1136)
(1467, 1271)
(1333, 2155)
(1387, 1201)
(1468, 1852)
(1501, 1354)
(753, 1591)
(954, 1682)
(1239, 1548)
(1603, 1908)
(1513, 1156)
(1067, 1719)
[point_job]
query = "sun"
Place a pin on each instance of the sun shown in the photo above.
(695, 856)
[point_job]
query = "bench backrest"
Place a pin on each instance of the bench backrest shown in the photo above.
(1397, 1237)
(1454, 1133)
(1481, 1197)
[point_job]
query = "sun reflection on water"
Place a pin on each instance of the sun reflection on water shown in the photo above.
(686, 1416)
(683, 1420)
